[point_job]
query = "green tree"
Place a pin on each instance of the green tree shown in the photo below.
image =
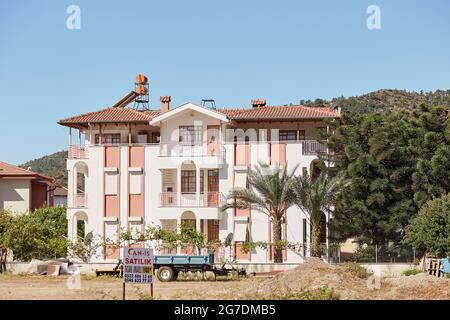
(316, 197)
(270, 191)
(40, 234)
(5, 223)
(373, 152)
(396, 162)
(432, 169)
(429, 230)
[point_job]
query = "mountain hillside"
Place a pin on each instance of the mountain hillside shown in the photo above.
(53, 165)
(385, 100)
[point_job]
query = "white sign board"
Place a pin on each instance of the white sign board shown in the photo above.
(137, 265)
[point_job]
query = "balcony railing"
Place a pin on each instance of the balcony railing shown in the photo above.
(80, 200)
(77, 152)
(312, 147)
(206, 200)
(201, 150)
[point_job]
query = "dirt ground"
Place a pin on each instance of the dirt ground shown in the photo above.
(313, 274)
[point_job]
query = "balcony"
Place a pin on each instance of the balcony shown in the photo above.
(206, 200)
(201, 150)
(80, 201)
(77, 152)
(313, 147)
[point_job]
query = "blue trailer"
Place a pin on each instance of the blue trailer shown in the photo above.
(168, 267)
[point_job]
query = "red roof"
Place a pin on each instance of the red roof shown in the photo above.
(110, 115)
(280, 113)
(10, 171)
(60, 191)
(127, 115)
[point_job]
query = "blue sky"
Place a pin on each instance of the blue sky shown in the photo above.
(231, 51)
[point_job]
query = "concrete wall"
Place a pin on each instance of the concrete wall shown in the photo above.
(15, 195)
(389, 269)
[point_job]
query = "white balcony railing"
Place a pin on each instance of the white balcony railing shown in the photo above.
(77, 152)
(168, 199)
(80, 200)
(208, 199)
(201, 150)
(312, 147)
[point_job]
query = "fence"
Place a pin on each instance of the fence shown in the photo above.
(332, 253)
(373, 254)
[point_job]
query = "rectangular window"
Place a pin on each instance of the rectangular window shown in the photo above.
(190, 135)
(213, 181)
(110, 138)
(188, 181)
(302, 135)
(213, 230)
(288, 135)
(202, 181)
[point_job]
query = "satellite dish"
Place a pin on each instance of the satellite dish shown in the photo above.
(229, 239)
(88, 238)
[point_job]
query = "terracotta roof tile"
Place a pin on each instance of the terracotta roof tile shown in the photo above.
(8, 170)
(60, 191)
(120, 115)
(111, 115)
(280, 113)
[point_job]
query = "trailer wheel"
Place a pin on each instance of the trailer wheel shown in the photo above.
(165, 274)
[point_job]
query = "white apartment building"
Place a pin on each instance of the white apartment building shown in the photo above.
(171, 166)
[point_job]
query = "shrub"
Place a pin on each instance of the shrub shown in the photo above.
(356, 270)
(364, 254)
(411, 272)
(5, 222)
(322, 293)
(429, 230)
(85, 249)
(40, 234)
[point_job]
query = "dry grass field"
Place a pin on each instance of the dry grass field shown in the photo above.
(343, 281)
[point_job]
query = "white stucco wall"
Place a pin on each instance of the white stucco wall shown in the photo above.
(15, 195)
(154, 163)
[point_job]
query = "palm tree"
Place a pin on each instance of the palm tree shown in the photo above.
(316, 197)
(270, 191)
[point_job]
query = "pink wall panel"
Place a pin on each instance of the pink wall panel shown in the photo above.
(112, 157)
(111, 206)
(243, 212)
(111, 252)
(278, 154)
(136, 205)
(137, 157)
(239, 254)
(242, 154)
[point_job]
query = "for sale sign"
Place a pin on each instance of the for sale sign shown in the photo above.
(137, 265)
